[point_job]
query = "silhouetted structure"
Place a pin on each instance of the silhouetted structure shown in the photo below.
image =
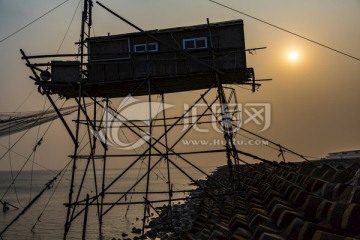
(145, 63)
(175, 60)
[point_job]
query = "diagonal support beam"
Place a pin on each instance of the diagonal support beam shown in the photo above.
(37, 79)
(166, 157)
(156, 141)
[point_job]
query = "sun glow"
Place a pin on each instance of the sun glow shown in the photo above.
(293, 55)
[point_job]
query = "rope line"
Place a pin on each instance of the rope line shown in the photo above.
(68, 28)
(21, 121)
(25, 100)
(27, 130)
(12, 172)
(22, 156)
(64, 170)
(287, 31)
(37, 143)
(27, 25)
(27, 160)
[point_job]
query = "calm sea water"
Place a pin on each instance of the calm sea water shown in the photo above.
(51, 224)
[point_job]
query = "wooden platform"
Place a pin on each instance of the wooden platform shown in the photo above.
(139, 87)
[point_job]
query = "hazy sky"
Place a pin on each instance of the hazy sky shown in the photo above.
(314, 99)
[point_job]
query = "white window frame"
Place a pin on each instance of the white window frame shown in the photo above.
(153, 44)
(194, 41)
(146, 46)
(140, 45)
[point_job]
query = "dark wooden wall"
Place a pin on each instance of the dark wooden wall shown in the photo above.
(113, 59)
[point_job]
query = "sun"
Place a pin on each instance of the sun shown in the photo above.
(293, 55)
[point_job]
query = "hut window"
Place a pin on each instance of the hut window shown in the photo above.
(140, 48)
(146, 47)
(153, 47)
(195, 43)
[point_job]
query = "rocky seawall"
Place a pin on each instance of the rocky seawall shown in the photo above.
(309, 200)
(184, 215)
